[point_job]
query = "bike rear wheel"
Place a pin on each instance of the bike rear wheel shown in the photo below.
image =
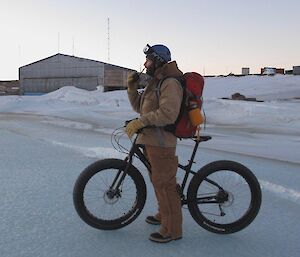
(224, 197)
(101, 203)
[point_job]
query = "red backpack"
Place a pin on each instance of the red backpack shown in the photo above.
(192, 84)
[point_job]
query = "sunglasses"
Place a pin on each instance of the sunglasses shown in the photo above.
(148, 49)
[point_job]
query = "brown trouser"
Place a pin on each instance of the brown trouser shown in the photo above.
(164, 165)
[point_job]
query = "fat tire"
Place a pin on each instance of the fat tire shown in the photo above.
(87, 174)
(240, 223)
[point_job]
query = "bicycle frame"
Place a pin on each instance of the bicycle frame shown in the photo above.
(137, 150)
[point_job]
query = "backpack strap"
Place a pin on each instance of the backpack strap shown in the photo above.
(158, 131)
(157, 89)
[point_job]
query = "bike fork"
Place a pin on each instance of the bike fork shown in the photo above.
(117, 180)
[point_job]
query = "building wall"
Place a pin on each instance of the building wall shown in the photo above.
(296, 70)
(271, 70)
(279, 70)
(245, 71)
(115, 77)
(59, 70)
(46, 85)
(9, 87)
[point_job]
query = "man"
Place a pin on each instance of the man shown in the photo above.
(158, 106)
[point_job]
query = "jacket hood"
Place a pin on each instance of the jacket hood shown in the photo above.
(168, 70)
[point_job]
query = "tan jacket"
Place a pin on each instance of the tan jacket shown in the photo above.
(159, 112)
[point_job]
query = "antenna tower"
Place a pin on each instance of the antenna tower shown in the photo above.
(108, 57)
(58, 42)
(73, 46)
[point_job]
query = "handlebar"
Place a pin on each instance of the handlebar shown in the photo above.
(140, 130)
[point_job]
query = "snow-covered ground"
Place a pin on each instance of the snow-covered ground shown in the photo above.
(48, 140)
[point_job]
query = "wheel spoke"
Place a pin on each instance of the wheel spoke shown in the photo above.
(109, 207)
(221, 195)
(107, 198)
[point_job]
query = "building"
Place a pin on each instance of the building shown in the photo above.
(9, 87)
(271, 71)
(61, 70)
(296, 70)
(289, 72)
(245, 71)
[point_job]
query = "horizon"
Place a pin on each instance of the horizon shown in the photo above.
(204, 75)
(224, 38)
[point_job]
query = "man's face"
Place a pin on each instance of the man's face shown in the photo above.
(149, 65)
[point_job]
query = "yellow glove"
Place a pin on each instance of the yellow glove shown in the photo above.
(133, 126)
(132, 80)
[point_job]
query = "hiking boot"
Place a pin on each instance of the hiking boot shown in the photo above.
(152, 220)
(158, 238)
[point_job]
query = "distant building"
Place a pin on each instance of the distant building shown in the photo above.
(61, 70)
(279, 71)
(289, 72)
(271, 71)
(9, 87)
(296, 70)
(245, 71)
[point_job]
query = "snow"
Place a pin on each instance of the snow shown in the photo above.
(48, 140)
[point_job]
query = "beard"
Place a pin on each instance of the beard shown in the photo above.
(150, 71)
(153, 67)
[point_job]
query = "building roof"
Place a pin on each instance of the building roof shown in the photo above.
(59, 54)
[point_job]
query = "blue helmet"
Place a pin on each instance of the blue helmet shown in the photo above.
(161, 52)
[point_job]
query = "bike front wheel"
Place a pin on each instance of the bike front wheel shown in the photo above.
(106, 197)
(224, 197)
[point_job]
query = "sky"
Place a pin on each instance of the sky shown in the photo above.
(210, 37)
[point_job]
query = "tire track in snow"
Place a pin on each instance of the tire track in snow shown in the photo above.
(92, 152)
(281, 191)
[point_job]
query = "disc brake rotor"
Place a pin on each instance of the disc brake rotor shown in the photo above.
(111, 197)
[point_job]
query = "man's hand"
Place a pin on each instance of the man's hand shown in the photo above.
(133, 126)
(132, 80)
